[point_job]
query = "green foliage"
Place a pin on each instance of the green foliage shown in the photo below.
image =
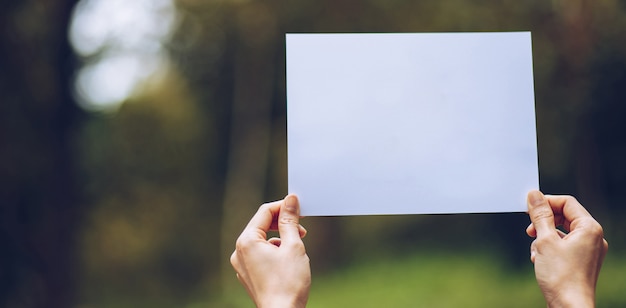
(148, 231)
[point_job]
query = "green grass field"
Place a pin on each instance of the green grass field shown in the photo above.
(439, 280)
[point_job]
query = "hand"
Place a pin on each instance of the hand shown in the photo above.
(275, 272)
(567, 265)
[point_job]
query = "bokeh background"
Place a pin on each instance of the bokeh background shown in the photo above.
(138, 137)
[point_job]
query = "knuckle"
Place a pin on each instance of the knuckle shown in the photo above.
(539, 242)
(287, 219)
(542, 213)
(571, 199)
(596, 229)
(298, 247)
(241, 244)
(233, 259)
(264, 206)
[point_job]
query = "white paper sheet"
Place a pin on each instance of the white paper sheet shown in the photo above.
(408, 123)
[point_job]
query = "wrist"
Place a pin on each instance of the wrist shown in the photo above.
(281, 302)
(573, 299)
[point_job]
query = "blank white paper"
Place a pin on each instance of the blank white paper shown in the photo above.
(410, 123)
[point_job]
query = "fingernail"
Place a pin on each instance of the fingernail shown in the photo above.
(291, 204)
(535, 198)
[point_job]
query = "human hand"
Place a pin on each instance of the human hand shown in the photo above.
(275, 272)
(567, 265)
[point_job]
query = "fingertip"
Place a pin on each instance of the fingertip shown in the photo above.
(530, 230)
(289, 220)
(292, 205)
(540, 213)
(302, 231)
(264, 217)
(535, 198)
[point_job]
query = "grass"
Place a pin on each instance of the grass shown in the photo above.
(435, 280)
(439, 280)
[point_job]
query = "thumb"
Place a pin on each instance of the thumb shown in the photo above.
(289, 220)
(540, 213)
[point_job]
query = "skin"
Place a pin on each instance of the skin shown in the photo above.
(567, 265)
(275, 271)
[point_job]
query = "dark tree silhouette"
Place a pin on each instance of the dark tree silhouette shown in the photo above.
(38, 119)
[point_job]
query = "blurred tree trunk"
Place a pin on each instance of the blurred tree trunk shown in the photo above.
(251, 123)
(578, 42)
(38, 117)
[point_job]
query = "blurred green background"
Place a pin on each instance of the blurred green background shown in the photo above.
(138, 137)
